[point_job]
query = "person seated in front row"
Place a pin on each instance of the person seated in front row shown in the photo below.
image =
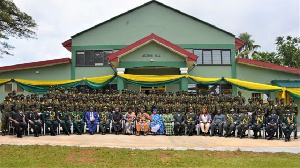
(288, 124)
(272, 122)
(129, 121)
(156, 124)
(167, 118)
(104, 120)
(191, 120)
(231, 122)
(50, 121)
(205, 120)
(143, 120)
(34, 119)
(257, 123)
(63, 119)
(218, 121)
(77, 118)
(179, 123)
(245, 119)
(18, 120)
(117, 118)
(91, 118)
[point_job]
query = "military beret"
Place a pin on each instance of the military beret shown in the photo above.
(32, 106)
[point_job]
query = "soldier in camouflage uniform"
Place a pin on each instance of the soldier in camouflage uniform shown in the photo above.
(5, 108)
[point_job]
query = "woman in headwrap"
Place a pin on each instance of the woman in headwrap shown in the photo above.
(156, 124)
(129, 119)
(168, 119)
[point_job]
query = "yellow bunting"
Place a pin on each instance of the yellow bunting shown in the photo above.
(295, 91)
(150, 78)
(46, 83)
(200, 79)
(283, 92)
(100, 79)
(253, 85)
(4, 80)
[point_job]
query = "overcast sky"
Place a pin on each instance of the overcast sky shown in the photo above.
(58, 20)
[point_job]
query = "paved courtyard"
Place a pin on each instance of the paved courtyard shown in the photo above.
(159, 142)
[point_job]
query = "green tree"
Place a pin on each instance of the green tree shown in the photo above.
(289, 49)
(249, 48)
(13, 23)
(270, 57)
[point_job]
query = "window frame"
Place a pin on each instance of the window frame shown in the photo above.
(12, 87)
(18, 90)
(212, 57)
(94, 50)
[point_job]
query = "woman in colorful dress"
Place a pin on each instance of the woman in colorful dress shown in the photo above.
(156, 124)
(168, 119)
(205, 120)
(143, 120)
(129, 120)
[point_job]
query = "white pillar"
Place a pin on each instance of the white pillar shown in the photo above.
(184, 71)
(120, 70)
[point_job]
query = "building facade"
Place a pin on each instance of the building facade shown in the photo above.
(153, 39)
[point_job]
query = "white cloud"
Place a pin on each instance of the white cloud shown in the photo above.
(58, 20)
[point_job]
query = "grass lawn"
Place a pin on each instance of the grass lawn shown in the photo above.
(61, 156)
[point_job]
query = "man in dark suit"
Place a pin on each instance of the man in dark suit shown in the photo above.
(179, 120)
(18, 120)
(272, 122)
(117, 120)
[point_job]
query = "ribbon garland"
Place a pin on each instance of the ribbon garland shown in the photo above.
(39, 86)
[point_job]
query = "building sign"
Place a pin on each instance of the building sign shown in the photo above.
(151, 55)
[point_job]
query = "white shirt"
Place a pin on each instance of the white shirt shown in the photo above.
(204, 118)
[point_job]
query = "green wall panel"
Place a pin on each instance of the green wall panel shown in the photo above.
(133, 87)
(135, 64)
(173, 88)
(88, 72)
(153, 71)
(55, 72)
(175, 27)
(262, 75)
(211, 71)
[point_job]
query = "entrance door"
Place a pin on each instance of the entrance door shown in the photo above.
(159, 88)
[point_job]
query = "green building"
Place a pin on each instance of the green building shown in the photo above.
(154, 39)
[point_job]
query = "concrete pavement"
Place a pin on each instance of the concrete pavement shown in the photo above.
(159, 142)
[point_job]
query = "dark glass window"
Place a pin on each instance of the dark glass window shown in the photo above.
(8, 87)
(216, 57)
(19, 88)
(92, 57)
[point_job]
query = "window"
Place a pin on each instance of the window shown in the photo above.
(192, 87)
(159, 88)
(19, 88)
(110, 87)
(226, 58)
(206, 57)
(213, 57)
(264, 96)
(8, 87)
(215, 87)
(92, 57)
(199, 54)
